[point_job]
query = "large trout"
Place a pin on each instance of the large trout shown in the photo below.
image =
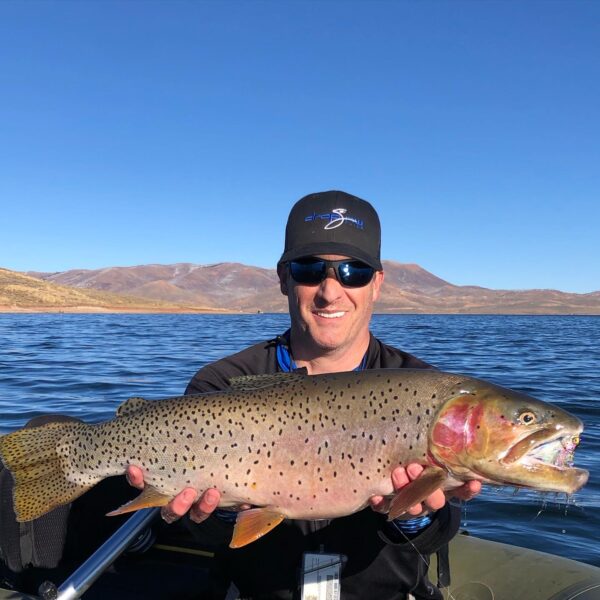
(304, 447)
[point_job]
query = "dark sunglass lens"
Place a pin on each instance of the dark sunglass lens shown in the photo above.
(355, 273)
(308, 272)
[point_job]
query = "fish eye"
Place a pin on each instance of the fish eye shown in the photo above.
(527, 418)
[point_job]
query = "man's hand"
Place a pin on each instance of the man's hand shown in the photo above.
(187, 500)
(402, 477)
(466, 491)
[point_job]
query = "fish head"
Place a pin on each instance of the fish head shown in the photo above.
(497, 435)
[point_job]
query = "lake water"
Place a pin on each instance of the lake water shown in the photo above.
(86, 365)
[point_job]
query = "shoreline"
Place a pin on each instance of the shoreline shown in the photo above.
(4, 309)
(116, 310)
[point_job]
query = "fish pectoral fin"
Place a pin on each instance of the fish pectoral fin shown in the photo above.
(416, 491)
(149, 497)
(252, 524)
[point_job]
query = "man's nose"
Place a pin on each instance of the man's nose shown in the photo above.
(330, 288)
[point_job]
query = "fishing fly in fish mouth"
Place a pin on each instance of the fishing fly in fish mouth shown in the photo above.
(304, 447)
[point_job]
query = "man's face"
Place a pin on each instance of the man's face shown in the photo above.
(329, 316)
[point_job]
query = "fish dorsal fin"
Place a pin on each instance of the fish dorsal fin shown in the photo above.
(131, 406)
(416, 491)
(253, 524)
(258, 382)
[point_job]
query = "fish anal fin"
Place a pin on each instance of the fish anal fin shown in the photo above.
(416, 491)
(252, 524)
(149, 497)
(131, 406)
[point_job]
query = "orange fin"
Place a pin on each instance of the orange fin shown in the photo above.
(252, 524)
(416, 491)
(149, 497)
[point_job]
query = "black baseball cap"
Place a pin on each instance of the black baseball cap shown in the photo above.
(333, 222)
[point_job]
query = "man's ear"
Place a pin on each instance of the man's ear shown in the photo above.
(377, 283)
(282, 272)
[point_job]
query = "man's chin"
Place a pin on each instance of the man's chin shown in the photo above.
(327, 347)
(326, 334)
(328, 342)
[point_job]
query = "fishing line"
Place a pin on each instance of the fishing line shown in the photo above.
(542, 509)
(450, 595)
(414, 547)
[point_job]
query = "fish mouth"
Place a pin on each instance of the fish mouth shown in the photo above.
(548, 458)
(535, 445)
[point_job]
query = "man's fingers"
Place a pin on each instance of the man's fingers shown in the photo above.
(179, 505)
(433, 502)
(167, 515)
(135, 477)
(436, 500)
(399, 478)
(414, 470)
(467, 491)
(379, 504)
(414, 511)
(205, 506)
(474, 487)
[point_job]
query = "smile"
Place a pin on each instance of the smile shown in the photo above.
(331, 315)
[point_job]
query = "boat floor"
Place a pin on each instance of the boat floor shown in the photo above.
(480, 570)
(486, 570)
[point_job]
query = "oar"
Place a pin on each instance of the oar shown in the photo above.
(81, 580)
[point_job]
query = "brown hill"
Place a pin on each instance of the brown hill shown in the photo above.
(237, 287)
(231, 285)
(19, 292)
(413, 278)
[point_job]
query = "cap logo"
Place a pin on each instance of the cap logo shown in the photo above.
(336, 218)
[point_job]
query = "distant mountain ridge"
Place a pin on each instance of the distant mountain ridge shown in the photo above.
(408, 288)
(220, 285)
(22, 292)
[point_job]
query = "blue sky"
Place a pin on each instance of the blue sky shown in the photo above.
(161, 132)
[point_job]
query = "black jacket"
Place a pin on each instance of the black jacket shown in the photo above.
(379, 565)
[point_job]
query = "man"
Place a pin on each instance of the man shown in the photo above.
(331, 273)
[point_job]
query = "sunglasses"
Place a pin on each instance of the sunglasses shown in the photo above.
(312, 271)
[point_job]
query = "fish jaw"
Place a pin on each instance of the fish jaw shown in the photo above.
(546, 459)
(503, 437)
(545, 477)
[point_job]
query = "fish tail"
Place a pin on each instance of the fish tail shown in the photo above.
(34, 458)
